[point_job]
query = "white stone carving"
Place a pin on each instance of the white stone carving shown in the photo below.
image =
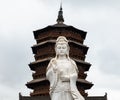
(62, 73)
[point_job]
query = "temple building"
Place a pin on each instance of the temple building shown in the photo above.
(43, 51)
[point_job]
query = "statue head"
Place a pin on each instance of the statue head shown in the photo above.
(62, 47)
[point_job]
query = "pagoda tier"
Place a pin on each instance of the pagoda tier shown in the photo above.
(56, 30)
(44, 51)
(41, 86)
(82, 66)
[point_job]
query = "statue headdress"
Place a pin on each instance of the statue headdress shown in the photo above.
(62, 40)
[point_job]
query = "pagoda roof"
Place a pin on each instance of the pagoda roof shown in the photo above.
(33, 64)
(97, 97)
(60, 26)
(43, 79)
(36, 80)
(53, 41)
(84, 81)
(87, 85)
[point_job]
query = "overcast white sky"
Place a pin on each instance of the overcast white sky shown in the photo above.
(100, 18)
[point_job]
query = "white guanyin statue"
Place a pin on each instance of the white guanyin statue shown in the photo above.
(62, 73)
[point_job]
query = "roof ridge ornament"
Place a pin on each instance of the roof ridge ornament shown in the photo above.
(60, 18)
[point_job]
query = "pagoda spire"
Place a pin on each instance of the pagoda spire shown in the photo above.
(60, 18)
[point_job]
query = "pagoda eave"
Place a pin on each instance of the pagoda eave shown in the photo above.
(60, 26)
(52, 42)
(84, 64)
(35, 64)
(86, 85)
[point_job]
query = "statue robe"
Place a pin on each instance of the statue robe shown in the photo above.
(62, 78)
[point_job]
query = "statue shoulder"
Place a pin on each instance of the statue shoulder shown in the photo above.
(52, 61)
(73, 61)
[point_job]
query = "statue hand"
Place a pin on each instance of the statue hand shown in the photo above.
(54, 68)
(63, 77)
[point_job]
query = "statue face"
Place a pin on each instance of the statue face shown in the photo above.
(61, 49)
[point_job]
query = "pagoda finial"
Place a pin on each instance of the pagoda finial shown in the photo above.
(60, 18)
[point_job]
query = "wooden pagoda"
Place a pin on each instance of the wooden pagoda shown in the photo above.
(44, 51)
